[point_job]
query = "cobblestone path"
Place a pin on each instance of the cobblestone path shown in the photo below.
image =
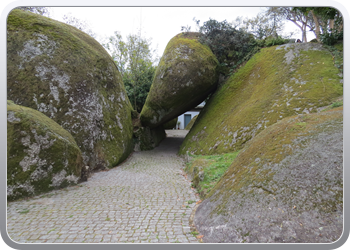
(144, 200)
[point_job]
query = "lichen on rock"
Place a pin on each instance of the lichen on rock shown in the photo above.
(190, 124)
(41, 155)
(286, 185)
(67, 75)
(184, 77)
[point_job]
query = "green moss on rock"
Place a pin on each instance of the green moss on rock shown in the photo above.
(41, 155)
(277, 82)
(146, 138)
(190, 124)
(171, 124)
(185, 76)
(67, 75)
(286, 185)
(206, 171)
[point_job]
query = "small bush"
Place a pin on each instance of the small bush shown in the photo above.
(228, 44)
(275, 41)
(330, 38)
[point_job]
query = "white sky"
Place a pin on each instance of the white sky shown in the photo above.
(158, 23)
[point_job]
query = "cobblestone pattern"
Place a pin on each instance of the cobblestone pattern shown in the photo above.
(144, 200)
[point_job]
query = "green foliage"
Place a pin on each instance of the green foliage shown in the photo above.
(275, 41)
(331, 37)
(270, 41)
(337, 53)
(228, 44)
(325, 22)
(137, 94)
(234, 46)
(134, 59)
(266, 24)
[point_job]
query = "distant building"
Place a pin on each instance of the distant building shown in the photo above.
(185, 118)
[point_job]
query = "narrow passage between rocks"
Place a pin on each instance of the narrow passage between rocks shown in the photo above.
(146, 199)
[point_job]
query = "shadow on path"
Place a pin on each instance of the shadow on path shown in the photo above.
(144, 200)
(172, 142)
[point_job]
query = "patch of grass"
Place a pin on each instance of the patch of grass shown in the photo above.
(194, 233)
(191, 201)
(208, 169)
(337, 104)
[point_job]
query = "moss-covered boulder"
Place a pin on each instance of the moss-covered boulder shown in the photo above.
(41, 155)
(190, 124)
(277, 82)
(67, 75)
(286, 185)
(170, 124)
(147, 139)
(185, 76)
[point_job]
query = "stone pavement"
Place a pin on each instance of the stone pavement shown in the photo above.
(146, 199)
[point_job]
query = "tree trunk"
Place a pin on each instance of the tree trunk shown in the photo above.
(304, 36)
(317, 26)
(302, 27)
(331, 24)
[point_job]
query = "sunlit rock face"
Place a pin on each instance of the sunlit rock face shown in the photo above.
(41, 155)
(67, 75)
(185, 76)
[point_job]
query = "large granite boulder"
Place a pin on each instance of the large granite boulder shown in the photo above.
(170, 124)
(184, 77)
(41, 155)
(146, 138)
(67, 75)
(190, 124)
(275, 83)
(286, 185)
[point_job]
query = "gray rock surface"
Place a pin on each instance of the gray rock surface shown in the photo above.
(41, 155)
(285, 186)
(67, 75)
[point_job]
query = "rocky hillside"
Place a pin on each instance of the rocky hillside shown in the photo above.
(277, 82)
(67, 75)
(286, 185)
